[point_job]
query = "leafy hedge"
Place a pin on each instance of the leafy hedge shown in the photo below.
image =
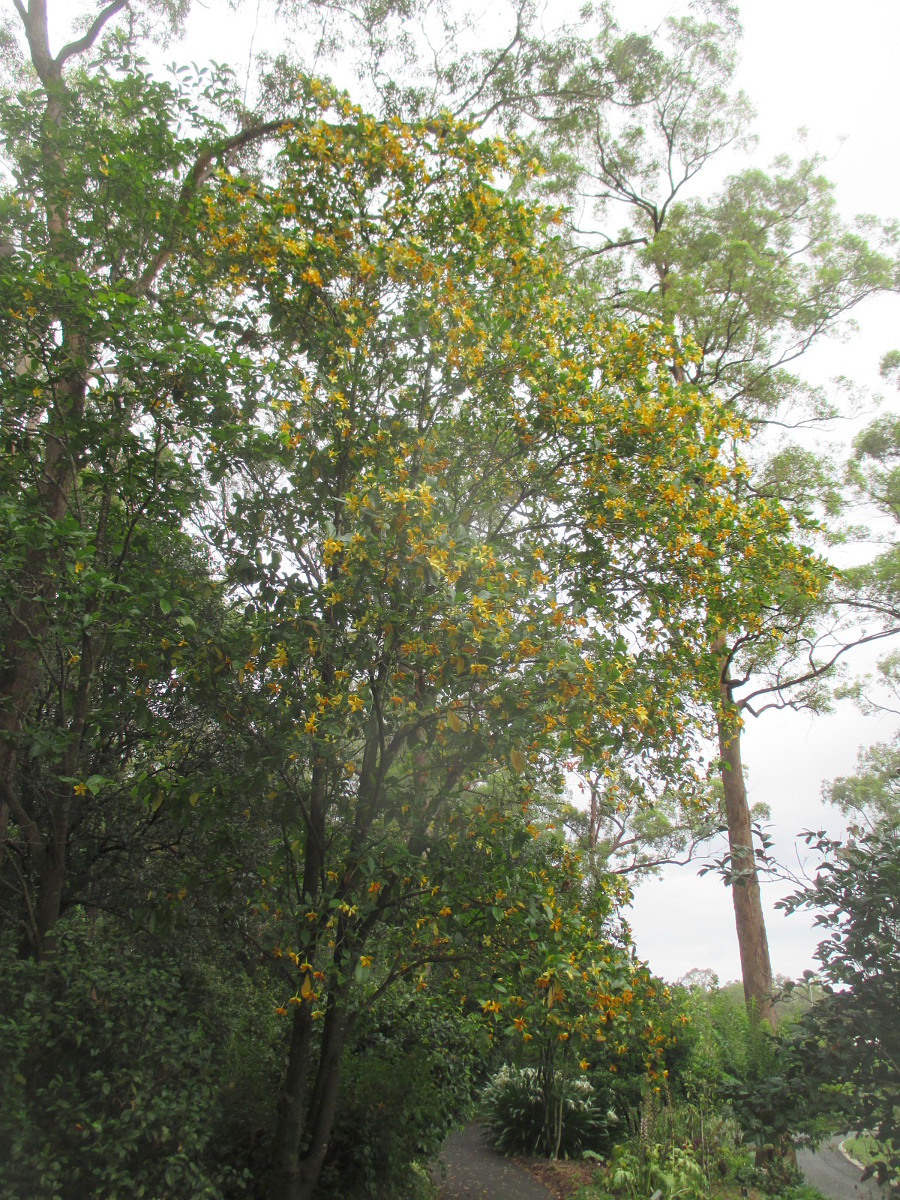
(113, 1069)
(407, 1079)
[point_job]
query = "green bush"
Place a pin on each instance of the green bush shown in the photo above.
(515, 1106)
(111, 1078)
(675, 1172)
(660, 1129)
(407, 1079)
(843, 1056)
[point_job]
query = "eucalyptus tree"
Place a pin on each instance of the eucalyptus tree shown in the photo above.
(872, 592)
(746, 276)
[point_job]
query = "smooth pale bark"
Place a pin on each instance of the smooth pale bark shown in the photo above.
(753, 942)
(756, 966)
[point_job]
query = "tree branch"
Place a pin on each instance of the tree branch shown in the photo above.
(815, 672)
(197, 175)
(85, 43)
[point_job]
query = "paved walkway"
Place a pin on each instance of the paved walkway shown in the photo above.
(476, 1171)
(829, 1171)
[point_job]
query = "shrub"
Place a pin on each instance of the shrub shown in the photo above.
(405, 1082)
(110, 1079)
(515, 1104)
(845, 1050)
(675, 1172)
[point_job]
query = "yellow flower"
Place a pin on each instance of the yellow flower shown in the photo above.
(80, 789)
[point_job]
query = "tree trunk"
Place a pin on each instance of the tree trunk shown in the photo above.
(292, 1106)
(304, 1130)
(756, 967)
(52, 874)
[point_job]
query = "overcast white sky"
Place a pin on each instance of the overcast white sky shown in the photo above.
(831, 67)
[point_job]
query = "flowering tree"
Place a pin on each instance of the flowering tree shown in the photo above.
(325, 506)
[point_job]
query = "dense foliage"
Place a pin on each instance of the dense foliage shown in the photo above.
(341, 519)
(848, 1044)
(126, 1069)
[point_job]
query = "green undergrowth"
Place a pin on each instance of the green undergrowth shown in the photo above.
(600, 1189)
(864, 1148)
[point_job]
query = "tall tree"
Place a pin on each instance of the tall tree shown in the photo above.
(746, 280)
(354, 366)
(455, 526)
(443, 412)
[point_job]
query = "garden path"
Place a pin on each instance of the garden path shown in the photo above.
(828, 1170)
(476, 1171)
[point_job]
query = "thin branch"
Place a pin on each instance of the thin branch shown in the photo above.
(495, 66)
(815, 672)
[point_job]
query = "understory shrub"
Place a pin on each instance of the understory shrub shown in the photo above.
(674, 1171)
(405, 1082)
(516, 1106)
(117, 1070)
(682, 1148)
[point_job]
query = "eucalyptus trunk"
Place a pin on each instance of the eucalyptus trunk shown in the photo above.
(756, 966)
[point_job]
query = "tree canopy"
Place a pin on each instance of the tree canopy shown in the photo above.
(346, 510)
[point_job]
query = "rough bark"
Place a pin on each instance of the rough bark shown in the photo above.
(292, 1102)
(23, 644)
(323, 1101)
(56, 481)
(756, 967)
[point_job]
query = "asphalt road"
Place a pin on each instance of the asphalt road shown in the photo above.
(828, 1170)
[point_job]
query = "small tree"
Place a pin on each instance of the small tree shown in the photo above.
(852, 1036)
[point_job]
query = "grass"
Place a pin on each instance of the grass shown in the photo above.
(863, 1148)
